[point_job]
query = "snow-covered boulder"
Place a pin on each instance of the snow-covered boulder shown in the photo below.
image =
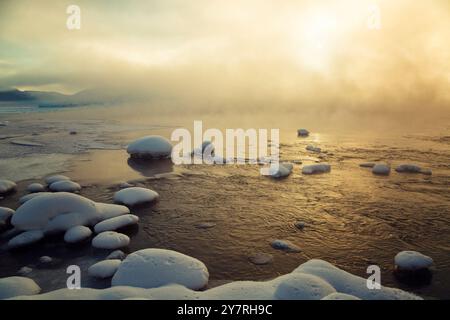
(107, 210)
(150, 147)
(260, 258)
(45, 259)
(25, 238)
(30, 196)
(135, 195)
(412, 261)
(117, 254)
(116, 223)
(110, 240)
(24, 271)
(150, 268)
(348, 283)
(59, 177)
(77, 234)
(5, 214)
(104, 269)
(313, 149)
(381, 169)
(299, 286)
(65, 186)
(316, 168)
(17, 286)
(285, 245)
(55, 212)
(280, 170)
(7, 186)
(302, 132)
(35, 187)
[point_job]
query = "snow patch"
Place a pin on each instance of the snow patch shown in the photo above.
(135, 195)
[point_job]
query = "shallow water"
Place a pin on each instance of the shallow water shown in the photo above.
(353, 218)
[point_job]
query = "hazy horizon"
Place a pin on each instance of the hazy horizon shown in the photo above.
(318, 56)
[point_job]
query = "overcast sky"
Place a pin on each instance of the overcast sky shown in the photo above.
(315, 52)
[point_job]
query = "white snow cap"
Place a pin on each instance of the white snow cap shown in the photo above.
(281, 170)
(150, 268)
(65, 186)
(35, 187)
(381, 169)
(135, 195)
(25, 238)
(150, 147)
(5, 214)
(104, 269)
(55, 178)
(17, 286)
(116, 223)
(30, 196)
(316, 168)
(412, 261)
(110, 240)
(302, 287)
(340, 296)
(77, 234)
(7, 186)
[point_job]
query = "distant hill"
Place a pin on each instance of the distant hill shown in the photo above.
(16, 95)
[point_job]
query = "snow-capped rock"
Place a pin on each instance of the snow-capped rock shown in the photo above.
(150, 268)
(110, 240)
(107, 210)
(17, 286)
(7, 186)
(381, 169)
(5, 214)
(302, 132)
(135, 195)
(65, 186)
(117, 254)
(25, 238)
(104, 269)
(116, 223)
(299, 286)
(316, 168)
(150, 147)
(285, 245)
(30, 196)
(24, 271)
(280, 170)
(52, 179)
(35, 187)
(45, 259)
(412, 261)
(260, 258)
(313, 149)
(77, 234)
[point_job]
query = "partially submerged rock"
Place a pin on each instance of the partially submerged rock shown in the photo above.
(285, 245)
(104, 269)
(25, 239)
(77, 234)
(302, 132)
(17, 286)
(150, 268)
(5, 215)
(381, 169)
(150, 147)
(316, 168)
(280, 170)
(52, 179)
(117, 254)
(35, 187)
(260, 258)
(7, 186)
(45, 259)
(412, 261)
(110, 240)
(65, 186)
(116, 223)
(412, 168)
(367, 164)
(135, 195)
(313, 149)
